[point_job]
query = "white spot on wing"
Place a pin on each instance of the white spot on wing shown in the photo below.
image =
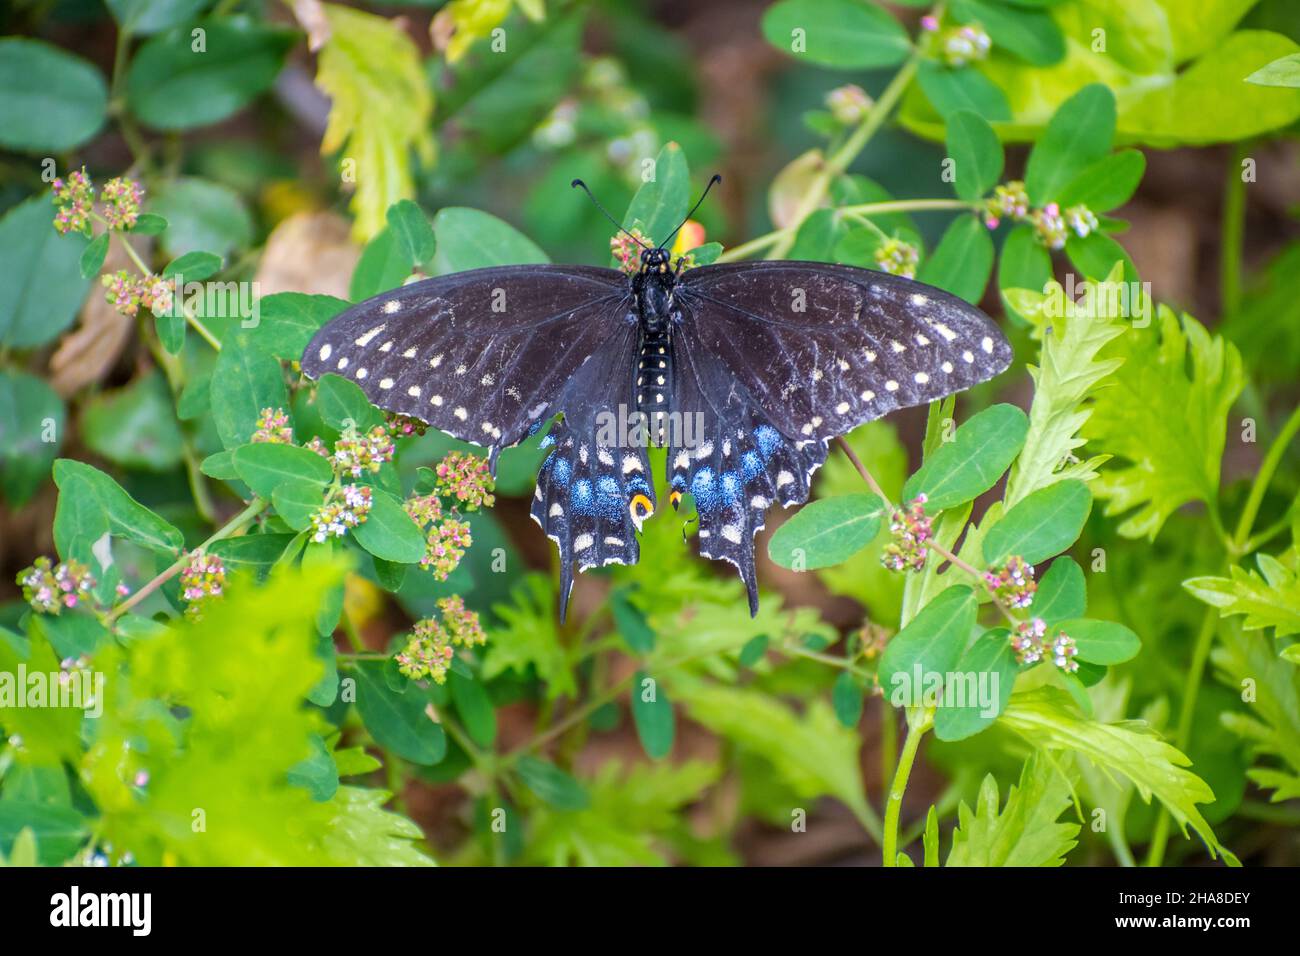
(325, 351)
(365, 340)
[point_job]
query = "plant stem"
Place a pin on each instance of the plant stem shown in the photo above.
(888, 743)
(1272, 458)
(229, 529)
(1234, 227)
(893, 808)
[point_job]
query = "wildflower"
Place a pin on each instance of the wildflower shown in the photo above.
(912, 534)
(424, 509)
(930, 23)
(1008, 201)
(404, 425)
(1027, 640)
(1049, 226)
(203, 577)
(626, 250)
(121, 199)
(447, 544)
(123, 292)
(1081, 220)
(427, 654)
(317, 446)
(155, 294)
(467, 478)
(273, 427)
(335, 517)
(49, 588)
(74, 198)
(849, 104)
(462, 624)
(71, 666)
(1063, 652)
(898, 258)
(959, 46)
(354, 453)
(1013, 583)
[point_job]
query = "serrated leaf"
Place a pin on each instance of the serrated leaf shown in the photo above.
(1025, 831)
(1272, 600)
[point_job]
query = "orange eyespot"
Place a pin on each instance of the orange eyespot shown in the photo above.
(642, 507)
(674, 499)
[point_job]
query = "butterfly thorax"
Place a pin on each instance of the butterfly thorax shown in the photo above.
(652, 288)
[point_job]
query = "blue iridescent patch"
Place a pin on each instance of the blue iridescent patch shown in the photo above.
(563, 470)
(581, 496)
(751, 466)
(731, 487)
(768, 438)
(704, 490)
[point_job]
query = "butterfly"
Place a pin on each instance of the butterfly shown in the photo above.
(744, 371)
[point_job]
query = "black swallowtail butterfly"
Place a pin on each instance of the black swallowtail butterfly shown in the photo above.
(746, 371)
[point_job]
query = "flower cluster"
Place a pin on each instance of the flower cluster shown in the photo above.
(849, 104)
(273, 427)
(74, 198)
(912, 536)
(1052, 227)
(1013, 583)
(466, 478)
(1063, 652)
(626, 250)
(404, 425)
(898, 258)
(447, 537)
(956, 45)
(203, 577)
(1081, 220)
(432, 644)
(71, 666)
(1009, 201)
(355, 453)
(49, 588)
(127, 293)
(343, 509)
(1031, 644)
(121, 199)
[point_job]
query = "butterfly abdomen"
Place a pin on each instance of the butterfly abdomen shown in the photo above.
(654, 381)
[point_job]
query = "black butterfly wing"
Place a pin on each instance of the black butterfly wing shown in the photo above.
(778, 358)
(594, 488)
(482, 355)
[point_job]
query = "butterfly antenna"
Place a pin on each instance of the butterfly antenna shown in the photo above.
(578, 183)
(712, 182)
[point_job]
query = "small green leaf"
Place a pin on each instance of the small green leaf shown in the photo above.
(41, 286)
(1079, 134)
(932, 641)
(170, 327)
(135, 426)
(1043, 524)
(474, 707)
(384, 264)
(847, 698)
(126, 517)
(343, 405)
(388, 531)
(1284, 71)
(149, 224)
(296, 503)
(843, 34)
(288, 320)
(963, 260)
(220, 466)
(92, 257)
(552, 784)
(1106, 184)
(953, 90)
(397, 720)
(59, 830)
(826, 532)
(193, 266)
(246, 379)
(53, 101)
(963, 469)
(1061, 593)
(202, 216)
(408, 223)
(753, 651)
(1102, 642)
(661, 202)
(979, 692)
(976, 153)
(1025, 262)
(632, 623)
(652, 712)
(265, 466)
(473, 239)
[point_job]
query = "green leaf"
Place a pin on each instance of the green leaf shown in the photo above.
(1102, 642)
(474, 707)
(170, 327)
(31, 433)
(245, 380)
(551, 784)
(969, 465)
(135, 426)
(202, 216)
(754, 650)
(92, 257)
(265, 466)
(126, 517)
(397, 719)
(1284, 71)
(1095, 256)
(41, 286)
(838, 33)
(1106, 184)
(252, 552)
(149, 224)
(652, 712)
(1045, 523)
(388, 531)
(317, 773)
(53, 102)
(1166, 415)
(1025, 832)
(342, 404)
(384, 264)
(1062, 593)
(976, 154)
(1030, 35)
(473, 239)
(174, 83)
(288, 320)
(296, 503)
(933, 642)
(1025, 262)
(408, 223)
(1080, 133)
(1048, 720)
(632, 624)
(966, 89)
(220, 466)
(59, 831)
(363, 833)
(151, 16)
(1272, 600)
(529, 638)
(193, 267)
(662, 201)
(980, 689)
(963, 260)
(826, 532)
(847, 697)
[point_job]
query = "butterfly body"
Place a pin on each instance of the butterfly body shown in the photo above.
(745, 372)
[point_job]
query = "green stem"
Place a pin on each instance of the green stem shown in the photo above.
(888, 743)
(1234, 227)
(894, 806)
(1272, 458)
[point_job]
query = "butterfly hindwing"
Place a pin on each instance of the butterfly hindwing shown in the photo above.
(482, 355)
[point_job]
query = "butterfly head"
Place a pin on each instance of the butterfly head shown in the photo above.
(655, 260)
